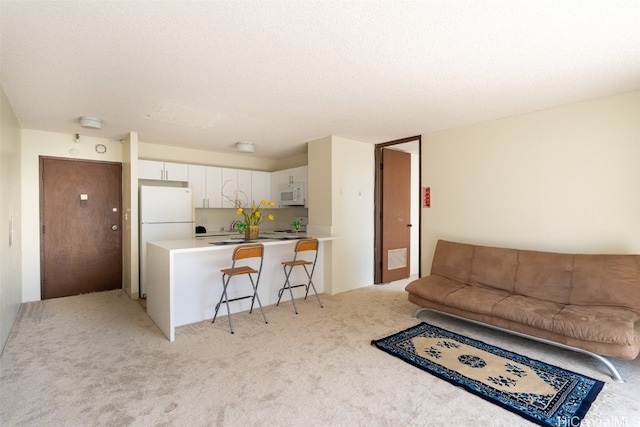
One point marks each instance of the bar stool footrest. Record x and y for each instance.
(235, 299)
(294, 286)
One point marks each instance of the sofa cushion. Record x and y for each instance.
(494, 268)
(475, 299)
(544, 275)
(433, 288)
(597, 323)
(452, 260)
(528, 310)
(612, 280)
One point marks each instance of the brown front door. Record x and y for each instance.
(81, 238)
(396, 215)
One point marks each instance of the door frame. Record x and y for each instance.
(377, 250)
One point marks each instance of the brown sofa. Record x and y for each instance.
(587, 303)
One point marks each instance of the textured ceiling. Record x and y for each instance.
(281, 73)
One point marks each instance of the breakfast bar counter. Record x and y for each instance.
(185, 283)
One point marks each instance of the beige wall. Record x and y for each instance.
(341, 202)
(319, 175)
(565, 179)
(130, 241)
(353, 181)
(40, 143)
(211, 158)
(35, 144)
(10, 219)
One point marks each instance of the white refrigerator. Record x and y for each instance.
(166, 213)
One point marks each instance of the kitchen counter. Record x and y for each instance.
(216, 234)
(266, 232)
(185, 282)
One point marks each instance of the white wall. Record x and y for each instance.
(565, 179)
(10, 221)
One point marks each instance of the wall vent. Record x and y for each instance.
(397, 258)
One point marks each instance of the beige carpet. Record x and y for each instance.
(98, 360)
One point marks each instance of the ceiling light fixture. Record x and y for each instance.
(90, 122)
(245, 147)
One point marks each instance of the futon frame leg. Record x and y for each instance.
(612, 369)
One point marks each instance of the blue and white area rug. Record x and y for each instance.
(544, 394)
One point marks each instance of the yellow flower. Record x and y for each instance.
(254, 216)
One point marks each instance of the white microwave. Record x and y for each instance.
(292, 194)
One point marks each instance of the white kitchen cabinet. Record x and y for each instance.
(244, 187)
(148, 169)
(229, 188)
(287, 176)
(163, 171)
(299, 174)
(260, 187)
(206, 182)
(176, 172)
(236, 188)
(214, 187)
(197, 182)
(278, 178)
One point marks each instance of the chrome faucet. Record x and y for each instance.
(233, 225)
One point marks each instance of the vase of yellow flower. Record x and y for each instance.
(252, 219)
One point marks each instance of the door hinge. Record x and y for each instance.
(43, 229)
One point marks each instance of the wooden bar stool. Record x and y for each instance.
(252, 250)
(302, 245)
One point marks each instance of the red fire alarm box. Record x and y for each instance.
(426, 197)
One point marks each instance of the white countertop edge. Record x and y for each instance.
(203, 243)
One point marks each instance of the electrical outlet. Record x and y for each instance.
(204, 220)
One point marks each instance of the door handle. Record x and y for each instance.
(114, 227)
(409, 225)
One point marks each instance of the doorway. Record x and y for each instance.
(80, 227)
(397, 233)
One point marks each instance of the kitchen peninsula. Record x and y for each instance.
(185, 282)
